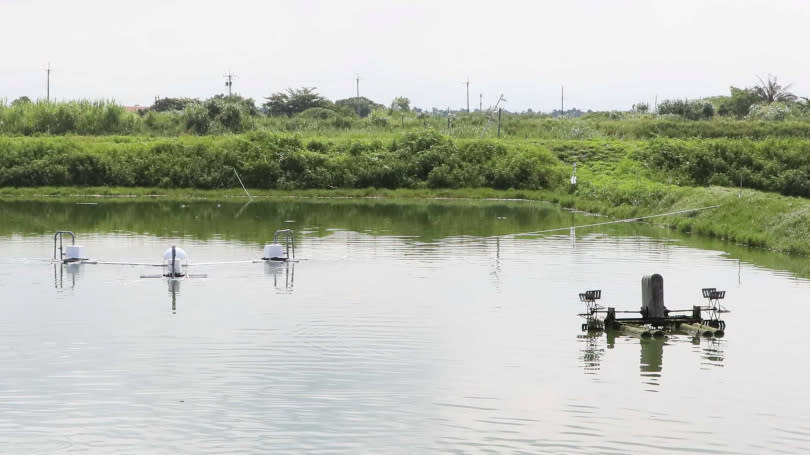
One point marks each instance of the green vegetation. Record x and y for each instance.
(617, 178)
(766, 110)
(265, 160)
(749, 151)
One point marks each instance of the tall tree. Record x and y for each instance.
(361, 106)
(172, 104)
(401, 103)
(294, 101)
(738, 103)
(770, 91)
(21, 100)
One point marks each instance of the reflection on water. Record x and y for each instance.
(592, 351)
(66, 273)
(593, 346)
(496, 271)
(652, 359)
(712, 351)
(412, 328)
(283, 273)
(174, 289)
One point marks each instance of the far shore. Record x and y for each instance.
(745, 217)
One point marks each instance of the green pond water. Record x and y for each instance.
(403, 327)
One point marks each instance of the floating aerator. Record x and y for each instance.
(174, 258)
(277, 251)
(69, 253)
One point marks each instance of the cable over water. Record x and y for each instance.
(626, 220)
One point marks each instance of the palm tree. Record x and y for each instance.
(770, 91)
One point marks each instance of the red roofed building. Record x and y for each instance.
(136, 108)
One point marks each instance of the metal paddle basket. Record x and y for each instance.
(589, 298)
(714, 308)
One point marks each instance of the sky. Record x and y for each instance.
(608, 54)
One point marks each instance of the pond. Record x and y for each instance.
(404, 327)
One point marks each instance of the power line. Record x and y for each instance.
(626, 220)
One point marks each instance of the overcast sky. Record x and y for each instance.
(609, 54)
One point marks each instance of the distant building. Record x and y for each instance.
(136, 108)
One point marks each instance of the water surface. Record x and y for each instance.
(406, 327)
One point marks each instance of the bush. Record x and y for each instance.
(266, 160)
(690, 110)
(778, 165)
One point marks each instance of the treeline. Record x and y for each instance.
(273, 161)
(765, 110)
(767, 100)
(220, 115)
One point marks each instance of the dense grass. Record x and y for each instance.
(264, 160)
(648, 127)
(777, 165)
(72, 117)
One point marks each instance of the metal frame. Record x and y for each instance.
(58, 236)
(289, 240)
(714, 308)
(591, 309)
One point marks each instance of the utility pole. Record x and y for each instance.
(357, 80)
(229, 82)
(481, 102)
(468, 95)
(48, 83)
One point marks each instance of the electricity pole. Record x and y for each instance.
(357, 80)
(229, 82)
(48, 83)
(468, 95)
(481, 102)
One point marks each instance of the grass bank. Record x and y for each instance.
(746, 217)
(618, 178)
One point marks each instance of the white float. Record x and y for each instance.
(174, 258)
(274, 252)
(74, 253)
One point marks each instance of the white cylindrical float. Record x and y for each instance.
(274, 252)
(74, 253)
(175, 267)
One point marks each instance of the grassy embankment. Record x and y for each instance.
(620, 178)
